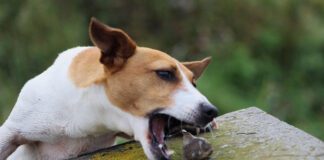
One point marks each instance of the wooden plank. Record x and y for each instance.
(245, 134)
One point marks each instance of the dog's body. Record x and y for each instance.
(86, 98)
(58, 111)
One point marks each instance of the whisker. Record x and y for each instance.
(211, 131)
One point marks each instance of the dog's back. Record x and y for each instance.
(50, 88)
(57, 121)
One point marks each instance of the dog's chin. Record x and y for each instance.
(163, 126)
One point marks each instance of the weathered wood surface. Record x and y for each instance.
(245, 134)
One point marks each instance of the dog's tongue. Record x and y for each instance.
(158, 129)
(158, 125)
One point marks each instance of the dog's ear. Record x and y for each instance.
(115, 45)
(197, 67)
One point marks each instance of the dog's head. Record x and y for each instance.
(150, 84)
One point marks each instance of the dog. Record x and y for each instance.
(90, 95)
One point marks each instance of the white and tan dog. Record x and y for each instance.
(92, 94)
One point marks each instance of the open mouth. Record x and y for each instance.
(162, 126)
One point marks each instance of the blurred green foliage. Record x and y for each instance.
(266, 53)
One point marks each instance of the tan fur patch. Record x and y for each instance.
(136, 88)
(187, 73)
(86, 69)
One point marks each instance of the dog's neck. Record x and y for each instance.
(104, 115)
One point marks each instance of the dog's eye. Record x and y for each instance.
(166, 75)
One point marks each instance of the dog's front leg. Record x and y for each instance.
(8, 142)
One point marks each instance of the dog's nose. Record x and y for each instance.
(208, 112)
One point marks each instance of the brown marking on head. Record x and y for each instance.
(137, 88)
(85, 68)
(188, 74)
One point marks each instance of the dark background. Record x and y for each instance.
(266, 53)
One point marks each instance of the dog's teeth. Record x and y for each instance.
(160, 146)
(197, 130)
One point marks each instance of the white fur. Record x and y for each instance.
(186, 101)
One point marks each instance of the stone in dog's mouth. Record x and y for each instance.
(162, 126)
